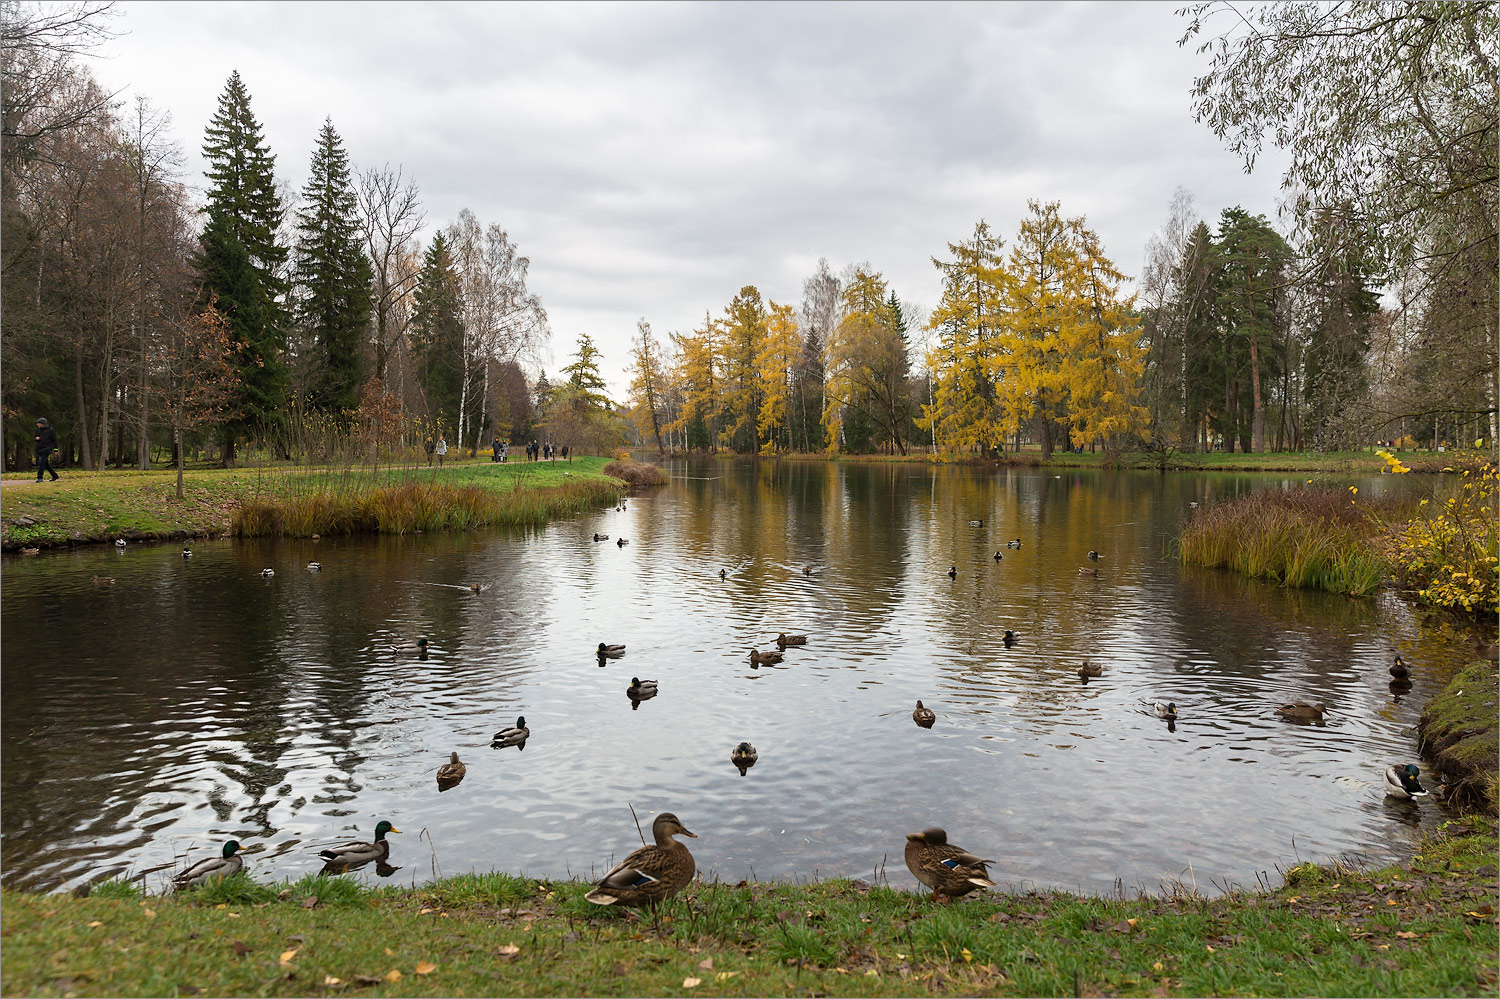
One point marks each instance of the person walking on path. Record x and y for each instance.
(431, 447)
(495, 450)
(442, 450)
(565, 453)
(46, 443)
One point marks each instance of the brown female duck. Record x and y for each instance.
(652, 873)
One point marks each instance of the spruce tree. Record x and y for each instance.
(439, 332)
(240, 260)
(333, 276)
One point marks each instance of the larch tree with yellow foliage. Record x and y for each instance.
(962, 415)
(1041, 303)
(1106, 360)
(779, 351)
(867, 364)
(699, 367)
(647, 384)
(744, 331)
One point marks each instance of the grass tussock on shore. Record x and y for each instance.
(1425, 928)
(1309, 538)
(1460, 730)
(637, 473)
(416, 506)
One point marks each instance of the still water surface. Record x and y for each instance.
(194, 701)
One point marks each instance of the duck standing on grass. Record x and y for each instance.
(652, 873)
(946, 869)
(214, 867)
(345, 858)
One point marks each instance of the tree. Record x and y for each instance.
(580, 411)
(391, 215)
(241, 259)
(646, 383)
(437, 326)
(743, 333)
(867, 364)
(775, 361)
(1104, 355)
(198, 375)
(333, 276)
(698, 371)
(1252, 299)
(969, 354)
(819, 311)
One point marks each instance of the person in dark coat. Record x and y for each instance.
(46, 443)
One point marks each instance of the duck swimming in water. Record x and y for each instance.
(1401, 781)
(515, 735)
(1399, 669)
(339, 859)
(924, 717)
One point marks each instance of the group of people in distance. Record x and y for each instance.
(500, 450)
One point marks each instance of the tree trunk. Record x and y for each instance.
(1258, 417)
(85, 449)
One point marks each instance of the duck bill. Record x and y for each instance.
(686, 833)
(393, 830)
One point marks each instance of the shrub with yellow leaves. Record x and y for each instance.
(1452, 557)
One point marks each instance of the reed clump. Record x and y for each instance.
(1321, 539)
(415, 506)
(636, 473)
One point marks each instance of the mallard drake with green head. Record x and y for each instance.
(610, 651)
(267, 573)
(513, 736)
(1401, 781)
(1301, 713)
(1013, 544)
(924, 717)
(1399, 669)
(1009, 638)
(640, 689)
(450, 773)
(783, 640)
(338, 859)
(214, 867)
(187, 553)
(1094, 556)
(944, 868)
(998, 556)
(744, 757)
(953, 572)
(1090, 669)
(1165, 709)
(601, 537)
(652, 873)
(315, 567)
(765, 658)
(622, 542)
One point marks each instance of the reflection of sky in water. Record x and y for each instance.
(195, 701)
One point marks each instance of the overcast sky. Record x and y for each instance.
(652, 159)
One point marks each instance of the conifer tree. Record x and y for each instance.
(240, 260)
(968, 356)
(333, 276)
(438, 333)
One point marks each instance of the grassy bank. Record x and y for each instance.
(1423, 928)
(1460, 731)
(89, 507)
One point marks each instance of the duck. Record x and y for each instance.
(976, 523)
(1088, 571)
(652, 873)
(1300, 712)
(1093, 555)
(611, 651)
(640, 689)
(764, 658)
(953, 572)
(1399, 669)
(1090, 669)
(723, 574)
(267, 573)
(1401, 781)
(783, 640)
(600, 537)
(516, 736)
(623, 542)
(221, 866)
(924, 717)
(946, 869)
(807, 570)
(744, 757)
(1009, 638)
(338, 859)
(421, 645)
(1013, 544)
(31, 551)
(315, 567)
(104, 580)
(450, 773)
(187, 553)
(477, 587)
(998, 556)
(120, 542)
(1166, 710)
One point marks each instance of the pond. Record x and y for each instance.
(194, 701)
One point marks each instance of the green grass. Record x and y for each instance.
(97, 506)
(1426, 927)
(1460, 730)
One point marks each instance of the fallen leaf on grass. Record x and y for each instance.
(1406, 935)
(394, 975)
(149, 913)
(389, 952)
(968, 955)
(707, 964)
(310, 902)
(287, 955)
(691, 983)
(239, 948)
(725, 976)
(425, 967)
(96, 923)
(1157, 966)
(508, 950)
(330, 980)
(1124, 926)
